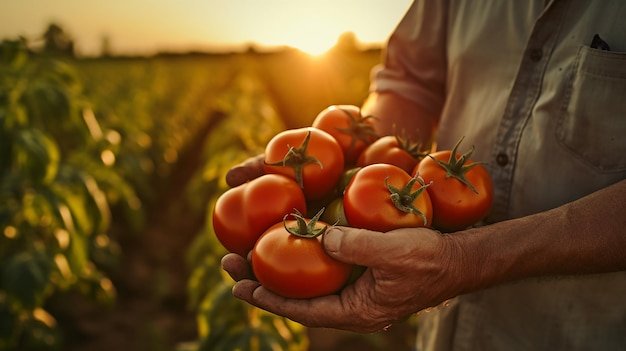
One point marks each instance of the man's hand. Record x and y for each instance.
(249, 169)
(408, 270)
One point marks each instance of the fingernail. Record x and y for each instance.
(332, 239)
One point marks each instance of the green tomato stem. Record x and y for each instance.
(456, 167)
(302, 228)
(404, 198)
(297, 158)
(358, 129)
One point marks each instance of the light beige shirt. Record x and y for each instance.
(547, 113)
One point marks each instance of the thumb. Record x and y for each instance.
(355, 246)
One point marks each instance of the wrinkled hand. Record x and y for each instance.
(408, 271)
(249, 169)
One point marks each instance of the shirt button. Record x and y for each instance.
(502, 159)
(535, 54)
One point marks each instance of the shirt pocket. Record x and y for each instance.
(592, 122)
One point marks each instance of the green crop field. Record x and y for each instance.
(108, 171)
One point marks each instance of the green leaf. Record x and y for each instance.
(78, 249)
(25, 276)
(77, 254)
(61, 211)
(79, 203)
(110, 187)
(85, 198)
(36, 155)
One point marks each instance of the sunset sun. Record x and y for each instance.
(313, 47)
(312, 37)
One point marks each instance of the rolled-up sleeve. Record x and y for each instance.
(414, 62)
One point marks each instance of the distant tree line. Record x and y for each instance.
(57, 41)
(54, 41)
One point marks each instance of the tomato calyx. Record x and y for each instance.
(358, 130)
(297, 158)
(302, 228)
(404, 198)
(456, 167)
(413, 149)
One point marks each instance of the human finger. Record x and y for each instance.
(247, 170)
(237, 267)
(370, 248)
(351, 310)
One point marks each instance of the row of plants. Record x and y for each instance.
(55, 196)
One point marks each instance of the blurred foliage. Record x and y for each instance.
(54, 211)
(225, 323)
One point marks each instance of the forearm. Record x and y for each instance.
(395, 115)
(582, 237)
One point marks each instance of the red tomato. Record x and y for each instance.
(310, 156)
(461, 190)
(352, 131)
(384, 197)
(392, 150)
(243, 213)
(297, 267)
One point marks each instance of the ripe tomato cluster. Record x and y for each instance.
(339, 171)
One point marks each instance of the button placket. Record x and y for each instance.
(522, 98)
(502, 159)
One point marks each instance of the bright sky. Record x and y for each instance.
(144, 26)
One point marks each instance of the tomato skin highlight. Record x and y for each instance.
(387, 150)
(335, 121)
(317, 180)
(242, 214)
(368, 205)
(296, 267)
(455, 205)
